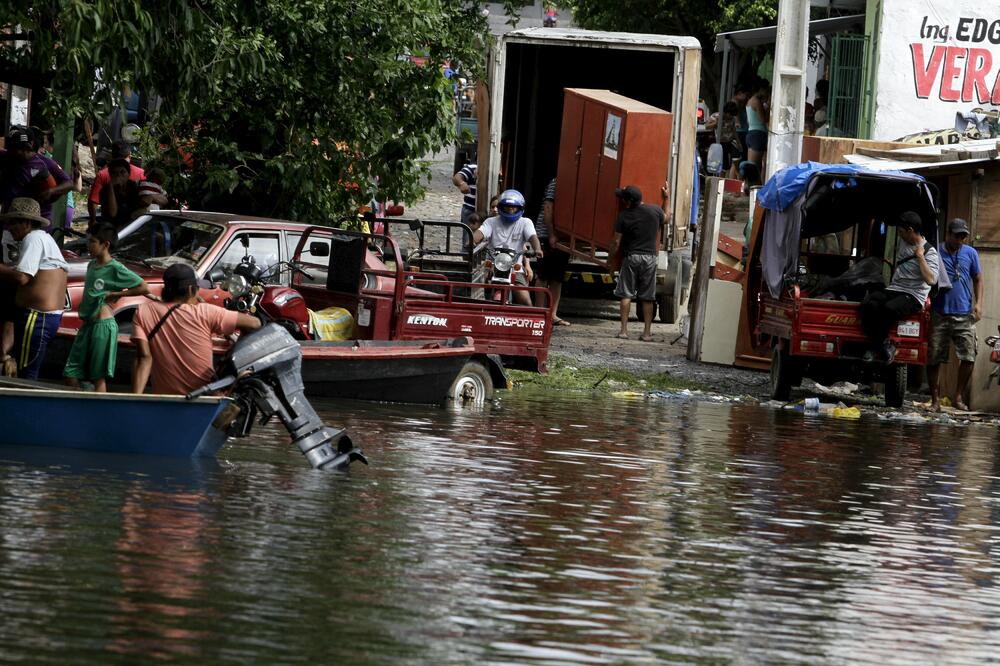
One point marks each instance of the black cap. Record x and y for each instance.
(629, 193)
(179, 277)
(19, 138)
(120, 149)
(958, 226)
(911, 220)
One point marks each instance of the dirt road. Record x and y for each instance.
(589, 340)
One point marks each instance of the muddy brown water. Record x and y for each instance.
(549, 529)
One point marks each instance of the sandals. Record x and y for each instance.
(560, 322)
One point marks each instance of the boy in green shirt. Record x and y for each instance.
(95, 348)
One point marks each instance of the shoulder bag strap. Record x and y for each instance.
(159, 324)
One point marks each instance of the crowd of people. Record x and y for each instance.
(741, 128)
(33, 276)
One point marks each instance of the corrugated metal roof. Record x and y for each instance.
(903, 164)
(767, 35)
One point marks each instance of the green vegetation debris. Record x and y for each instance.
(563, 375)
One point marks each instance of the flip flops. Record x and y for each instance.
(560, 322)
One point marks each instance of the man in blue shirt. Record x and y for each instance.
(955, 313)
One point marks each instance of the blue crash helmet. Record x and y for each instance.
(511, 198)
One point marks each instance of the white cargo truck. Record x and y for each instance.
(528, 70)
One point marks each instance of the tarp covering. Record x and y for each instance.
(787, 185)
(788, 193)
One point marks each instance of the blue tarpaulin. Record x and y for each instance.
(787, 185)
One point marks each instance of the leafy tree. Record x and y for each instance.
(702, 19)
(277, 107)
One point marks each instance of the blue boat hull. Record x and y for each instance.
(113, 422)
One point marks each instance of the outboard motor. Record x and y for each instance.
(266, 367)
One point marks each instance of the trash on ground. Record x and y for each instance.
(846, 413)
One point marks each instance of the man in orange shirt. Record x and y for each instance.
(120, 150)
(173, 337)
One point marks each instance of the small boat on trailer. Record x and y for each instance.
(263, 375)
(410, 371)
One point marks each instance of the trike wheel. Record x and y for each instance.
(782, 373)
(667, 307)
(895, 385)
(473, 385)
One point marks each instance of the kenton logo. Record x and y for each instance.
(844, 320)
(426, 320)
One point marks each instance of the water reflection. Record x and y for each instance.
(550, 529)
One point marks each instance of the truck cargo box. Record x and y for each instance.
(529, 70)
(607, 141)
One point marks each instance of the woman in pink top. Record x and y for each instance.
(173, 337)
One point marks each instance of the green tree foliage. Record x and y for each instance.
(278, 107)
(698, 18)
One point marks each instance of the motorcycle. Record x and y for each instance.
(250, 292)
(993, 342)
(501, 271)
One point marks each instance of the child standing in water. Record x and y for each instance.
(95, 348)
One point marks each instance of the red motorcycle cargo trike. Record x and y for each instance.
(823, 236)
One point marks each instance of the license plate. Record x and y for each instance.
(909, 329)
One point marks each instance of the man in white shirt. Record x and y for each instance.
(40, 279)
(510, 229)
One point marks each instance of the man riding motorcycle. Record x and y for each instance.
(510, 229)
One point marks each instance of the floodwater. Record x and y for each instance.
(548, 529)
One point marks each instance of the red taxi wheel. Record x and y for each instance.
(895, 385)
(782, 373)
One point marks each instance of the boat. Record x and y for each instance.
(411, 371)
(261, 372)
(42, 414)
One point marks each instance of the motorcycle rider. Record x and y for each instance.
(510, 229)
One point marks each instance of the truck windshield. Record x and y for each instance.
(163, 240)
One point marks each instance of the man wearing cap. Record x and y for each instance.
(39, 276)
(119, 151)
(173, 337)
(25, 173)
(916, 272)
(635, 232)
(955, 313)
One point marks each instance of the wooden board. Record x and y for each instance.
(986, 220)
(832, 150)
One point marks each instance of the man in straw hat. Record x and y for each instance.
(39, 277)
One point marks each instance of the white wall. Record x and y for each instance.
(936, 57)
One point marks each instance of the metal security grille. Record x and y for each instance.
(848, 88)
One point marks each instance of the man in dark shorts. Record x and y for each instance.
(635, 232)
(551, 269)
(955, 313)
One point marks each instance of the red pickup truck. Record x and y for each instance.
(386, 301)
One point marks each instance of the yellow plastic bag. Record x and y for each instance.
(846, 413)
(331, 324)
